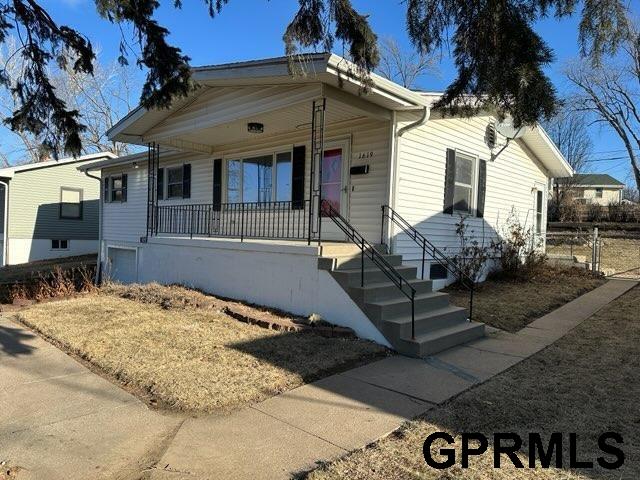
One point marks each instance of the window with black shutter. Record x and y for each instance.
(105, 190)
(297, 180)
(482, 188)
(124, 186)
(462, 183)
(186, 180)
(160, 184)
(217, 183)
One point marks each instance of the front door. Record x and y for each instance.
(335, 188)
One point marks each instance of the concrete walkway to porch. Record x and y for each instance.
(61, 421)
(326, 419)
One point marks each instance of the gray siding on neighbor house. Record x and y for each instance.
(34, 205)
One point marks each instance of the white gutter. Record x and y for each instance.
(5, 233)
(100, 189)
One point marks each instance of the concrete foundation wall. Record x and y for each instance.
(24, 250)
(274, 275)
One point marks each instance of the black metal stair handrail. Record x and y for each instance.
(429, 248)
(367, 250)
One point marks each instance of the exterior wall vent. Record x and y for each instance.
(491, 136)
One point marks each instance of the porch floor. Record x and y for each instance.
(230, 242)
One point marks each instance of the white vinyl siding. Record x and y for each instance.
(511, 179)
(127, 221)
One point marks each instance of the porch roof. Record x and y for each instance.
(265, 91)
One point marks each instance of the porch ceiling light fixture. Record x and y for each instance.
(255, 127)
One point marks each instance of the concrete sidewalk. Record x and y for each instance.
(61, 421)
(324, 420)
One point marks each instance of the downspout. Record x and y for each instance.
(5, 233)
(98, 277)
(394, 179)
(426, 113)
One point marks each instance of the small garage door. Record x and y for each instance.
(121, 265)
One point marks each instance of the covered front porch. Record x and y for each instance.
(282, 157)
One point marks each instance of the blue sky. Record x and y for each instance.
(248, 29)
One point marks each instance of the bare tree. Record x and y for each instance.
(101, 99)
(569, 132)
(609, 93)
(403, 66)
(631, 194)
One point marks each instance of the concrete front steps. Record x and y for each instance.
(438, 324)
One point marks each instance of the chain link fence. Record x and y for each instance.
(612, 253)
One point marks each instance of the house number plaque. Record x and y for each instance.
(364, 155)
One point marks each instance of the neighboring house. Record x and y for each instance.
(227, 198)
(599, 188)
(48, 210)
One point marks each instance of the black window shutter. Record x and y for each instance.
(186, 180)
(217, 183)
(297, 178)
(449, 181)
(106, 190)
(482, 188)
(124, 187)
(160, 184)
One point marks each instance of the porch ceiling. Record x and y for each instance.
(219, 116)
(262, 91)
(282, 121)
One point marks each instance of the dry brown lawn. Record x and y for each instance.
(587, 383)
(190, 359)
(511, 305)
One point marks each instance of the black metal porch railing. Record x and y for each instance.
(429, 251)
(267, 220)
(368, 251)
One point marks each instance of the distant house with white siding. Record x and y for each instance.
(48, 210)
(598, 188)
(303, 193)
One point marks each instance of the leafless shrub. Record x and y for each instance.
(595, 213)
(57, 283)
(518, 251)
(471, 256)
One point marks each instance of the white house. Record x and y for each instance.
(267, 187)
(598, 188)
(48, 210)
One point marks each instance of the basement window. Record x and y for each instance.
(59, 244)
(437, 272)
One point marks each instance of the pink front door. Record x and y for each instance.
(332, 179)
(334, 190)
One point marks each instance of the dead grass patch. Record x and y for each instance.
(588, 383)
(512, 304)
(190, 359)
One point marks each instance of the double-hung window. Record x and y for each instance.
(463, 194)
(465, 184)
(174, 182)
(260, 179)
(71, 203)
(115, 188)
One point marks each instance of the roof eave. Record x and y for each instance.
(328, 68)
